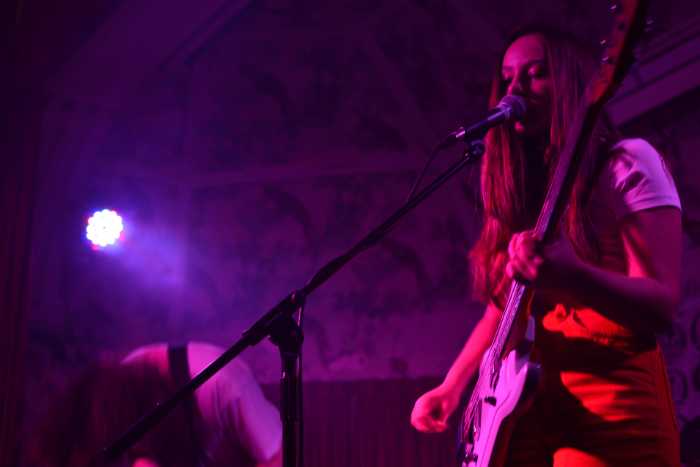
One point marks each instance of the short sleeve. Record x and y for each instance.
(234, 409)
(636, 178)
(257, 422)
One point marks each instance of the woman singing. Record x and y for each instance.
(603, 288)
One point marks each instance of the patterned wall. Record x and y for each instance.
(276, 147)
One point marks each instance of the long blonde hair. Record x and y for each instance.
(514, 179)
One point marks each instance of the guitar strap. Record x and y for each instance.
(180, 372)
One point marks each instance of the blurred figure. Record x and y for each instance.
(229, 421)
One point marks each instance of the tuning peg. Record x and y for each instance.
(622, 25)
(647, 28)
(604, 43)
(616, 9)
(609, 60)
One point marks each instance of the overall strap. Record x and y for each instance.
(180, 372)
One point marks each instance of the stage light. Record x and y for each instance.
(104, 227)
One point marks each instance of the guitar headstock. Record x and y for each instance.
(630, 23)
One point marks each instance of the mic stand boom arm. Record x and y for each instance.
(276, 318)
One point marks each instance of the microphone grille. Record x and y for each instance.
(515, 107)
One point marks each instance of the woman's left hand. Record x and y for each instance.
(541, 267)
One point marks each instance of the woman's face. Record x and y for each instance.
(525, 72)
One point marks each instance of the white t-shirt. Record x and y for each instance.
(234, 412)
(633, 179)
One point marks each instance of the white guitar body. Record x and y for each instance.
(512, 390)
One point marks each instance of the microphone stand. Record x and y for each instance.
(284, 332)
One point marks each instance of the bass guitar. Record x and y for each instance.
(508, 381)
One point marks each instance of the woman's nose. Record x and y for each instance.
(516, 87)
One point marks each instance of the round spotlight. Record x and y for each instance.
(104, 227)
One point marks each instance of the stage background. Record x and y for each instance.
(246, 144)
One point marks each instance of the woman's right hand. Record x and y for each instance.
(431, 410)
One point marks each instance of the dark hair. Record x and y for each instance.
(513, 182)
(96, 409)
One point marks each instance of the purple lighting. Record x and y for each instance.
(104, 227)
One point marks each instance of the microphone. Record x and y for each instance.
(511, 108)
